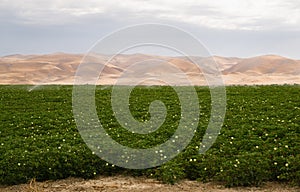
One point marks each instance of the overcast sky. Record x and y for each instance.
(241, 28)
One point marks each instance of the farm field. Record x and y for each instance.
(259, 141)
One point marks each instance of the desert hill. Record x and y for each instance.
(267, 64)
(60, 68)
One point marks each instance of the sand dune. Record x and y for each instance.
(60, 68)
(268, 64)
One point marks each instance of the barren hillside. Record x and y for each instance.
(60, 68)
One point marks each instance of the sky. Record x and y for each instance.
(231, 28)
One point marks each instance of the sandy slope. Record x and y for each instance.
(268, 64)
(60, 68)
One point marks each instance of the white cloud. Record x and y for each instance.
(229, 14)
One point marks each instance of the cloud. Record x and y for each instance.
(229, 14)
(229, 28)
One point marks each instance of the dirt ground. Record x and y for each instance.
(126, 184)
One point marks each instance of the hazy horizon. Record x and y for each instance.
(79, 53)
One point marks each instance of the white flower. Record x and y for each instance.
(286, 164)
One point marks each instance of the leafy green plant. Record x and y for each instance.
(259, 140)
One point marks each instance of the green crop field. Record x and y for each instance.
(259, 140)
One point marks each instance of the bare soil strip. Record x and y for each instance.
(132, 184)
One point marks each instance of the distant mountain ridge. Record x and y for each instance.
(60, 68)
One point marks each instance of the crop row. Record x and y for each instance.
(259, 140)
